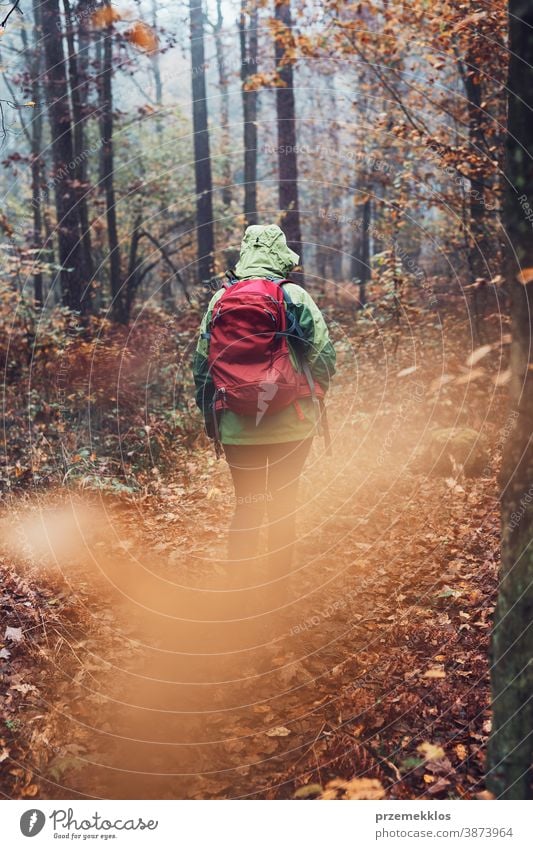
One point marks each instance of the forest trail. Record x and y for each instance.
(383, 645)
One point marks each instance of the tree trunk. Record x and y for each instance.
(287, 155)
(511, 745)
(477, 234)
(98, 71)
(202, 159)
(108, 178)
(37, 243)
(158, 81)
(248, 39)
(36, 150)
(167, 295)
(224, 107)
(477, 256)
(77, 64)
(74, 293)
(361, 256)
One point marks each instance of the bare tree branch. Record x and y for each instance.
(164, 253)
(14, 7)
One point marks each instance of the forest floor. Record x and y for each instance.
(377, 681)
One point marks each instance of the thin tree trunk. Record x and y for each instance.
(287, 155)
(335, 249)
(167, 295)
(248, 40)
(478, 231)
(202, 158)
(134, 263)
(77, 63)
(224, 106)
(477, 235)
(108, 177)
(361, 256)
(35, 52)
(98, 71)
(156, 69)
(510, 750)
(478, 243)
(37, 243)
(75, 294)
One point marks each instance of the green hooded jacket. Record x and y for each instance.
(265, 253)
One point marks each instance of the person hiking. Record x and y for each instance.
(262, 366)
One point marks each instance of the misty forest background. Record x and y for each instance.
(139, 139)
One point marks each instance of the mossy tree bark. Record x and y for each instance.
(511, 744)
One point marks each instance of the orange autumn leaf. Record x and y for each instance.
(143, 37)
(257, 81)
(104, 16)
(525, 276)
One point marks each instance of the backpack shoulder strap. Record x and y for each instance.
(294, 329)
(293, 325)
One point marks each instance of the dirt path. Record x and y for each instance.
(382, 648)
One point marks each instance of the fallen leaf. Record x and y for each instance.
(357, 788)
(442, 766)
(405, 371)
(441, 381)
(30, 790)
(24, 688)
(434, 672)
(502, 378)
(439, 785)
(280, 731)
(13, 634)
(430, 751)
(446, 592)
(308, 790)
(478, 354)
(525, 276)
(461, 751)
(474, 374)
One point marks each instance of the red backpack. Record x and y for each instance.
(249, 359)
